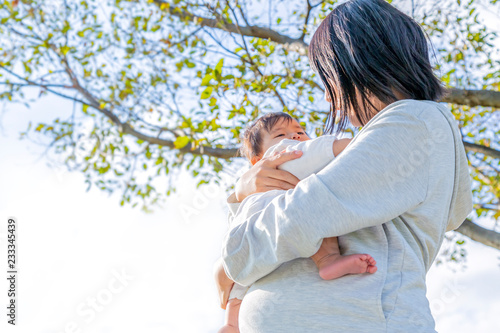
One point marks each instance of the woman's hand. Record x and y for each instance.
(224, 284)
(265, 176)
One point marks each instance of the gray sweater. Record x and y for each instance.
(316, 154)
(400, 184)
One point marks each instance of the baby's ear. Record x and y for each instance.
(254, 159)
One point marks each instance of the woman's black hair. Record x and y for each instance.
(369, 48)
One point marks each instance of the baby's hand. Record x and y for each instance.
(224, 284)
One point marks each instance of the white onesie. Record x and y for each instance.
(317, 153)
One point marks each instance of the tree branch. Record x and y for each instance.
(293, 44)
(482, 149)
(306, 21)
(126, 128)
(472, 98)
(225, 153)
(479, 234)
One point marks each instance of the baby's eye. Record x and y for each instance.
(279, 135)
(301, 133)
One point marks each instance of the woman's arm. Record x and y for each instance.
(382, 174)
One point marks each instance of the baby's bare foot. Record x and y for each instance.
(332, 267)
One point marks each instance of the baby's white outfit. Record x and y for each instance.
(317, 153)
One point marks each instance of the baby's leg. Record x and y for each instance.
(332, 265)
(232, 312)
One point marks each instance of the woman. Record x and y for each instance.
(395, 190)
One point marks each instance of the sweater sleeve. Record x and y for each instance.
(379, 176)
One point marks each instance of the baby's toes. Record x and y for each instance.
(371, 269)
(364, 257)
(369, 259)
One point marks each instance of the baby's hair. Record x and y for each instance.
(252, 137)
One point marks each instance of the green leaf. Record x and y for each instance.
(206, 80)
(65, 49)
(207, 93)
(219, 65)
(181, 142)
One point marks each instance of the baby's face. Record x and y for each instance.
(283, 130)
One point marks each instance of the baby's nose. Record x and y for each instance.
(295, 136)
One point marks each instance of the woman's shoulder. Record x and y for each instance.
(420, 109)
(406, 125)
(429, 114)
(437, 117)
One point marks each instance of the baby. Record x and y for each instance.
(270, 134)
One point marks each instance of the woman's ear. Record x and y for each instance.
(254, 159)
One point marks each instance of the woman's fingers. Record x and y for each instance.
(265, 173)
(270, 188)
(282, 157)
(285, 176)
(276, 184)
